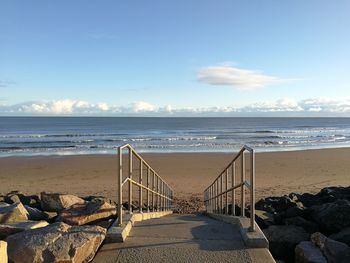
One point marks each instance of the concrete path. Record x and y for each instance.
(182, 238)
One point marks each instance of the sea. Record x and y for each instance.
(102, 135)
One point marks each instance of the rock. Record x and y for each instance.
(308, 226)
(71, 244)
(264, 219)
(80, 214)
(98, 198)
(335, 192)
(10, 229)
(342, 236)
(36, 214)
(12, 213)
(3, 252)
(283, 239)
(334, 251)
(51, 216)
(307, 252)
(275, 204)
(332, 217)
(293, 212)
(18, 197)
(12, 199)
(55, 202)
(104, 223)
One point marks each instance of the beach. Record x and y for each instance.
(277, 173)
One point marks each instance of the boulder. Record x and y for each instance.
(308, 226)
(51, 216)
(307, 252)
(36, 214)
(342, 236)
(12, 213)
(283, 240)
(334, 251)
(3, 252)
(275, 204)
(98, 198)
(335, 192)
(294, 211)
(13, 228)
(89, 212)
(264, 219)
(55, 202)
(332, 217)
(71, 244)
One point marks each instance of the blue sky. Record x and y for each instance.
(174, 57)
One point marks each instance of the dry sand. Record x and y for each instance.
(277, 173)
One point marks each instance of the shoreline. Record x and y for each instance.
(277, 173)
(257, 151)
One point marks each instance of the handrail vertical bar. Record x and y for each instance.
(157, 196)
(226, 195)
(140, 193)
(130, 183)
(120, 192)
(162, 197)
(233, 209)
(148, 173)
(217, 198)
(242, 187)
(221, 197)
(154, 189)
(252, 191)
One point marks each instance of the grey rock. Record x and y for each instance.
(283, 240)
(307, 252)
(13, 228)
(36, 214)
(58, 242)
(55, 202)
(332, 217)
(12, 213)
(308, 226)
(334, 251)
(275, 204)
(264, 219)
(342, 236)
(81, 214)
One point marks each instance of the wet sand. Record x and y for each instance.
(189, 174)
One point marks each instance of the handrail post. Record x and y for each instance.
(252, 191)
(221, 196)
(154, 188)
(140, 193)
(226, 195)
(120, 190)
(217, 197)
(242, 187)
(162, 195)
(233, 209)
(130, 183)
(148, 173)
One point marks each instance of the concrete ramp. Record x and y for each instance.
(182, 238)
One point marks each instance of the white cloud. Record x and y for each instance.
(142, 106)
(282, 107)
(227, 75)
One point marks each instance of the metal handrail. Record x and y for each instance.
(160, 192)
(215, 192)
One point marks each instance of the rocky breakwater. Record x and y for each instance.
(53, 227)
(308, 228)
